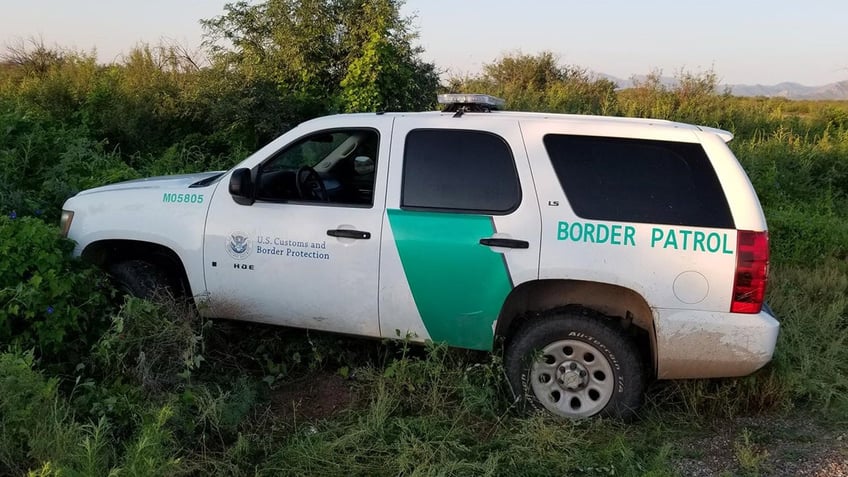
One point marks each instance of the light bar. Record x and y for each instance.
(485, 100)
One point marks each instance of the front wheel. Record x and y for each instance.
(576, 366)
(140, 279)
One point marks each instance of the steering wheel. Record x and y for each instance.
(310, 186)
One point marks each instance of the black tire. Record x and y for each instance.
(141, 279)
(560, 364)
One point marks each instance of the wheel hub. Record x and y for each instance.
(572, 378)
(572, 375)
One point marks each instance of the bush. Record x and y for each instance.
(83, 164)
(28, 145)
(48, 300)
(187, 158)
(803, 236)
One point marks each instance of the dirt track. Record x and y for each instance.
(786, 446)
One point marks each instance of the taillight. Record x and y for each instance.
(749, 286)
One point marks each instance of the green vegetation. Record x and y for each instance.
(50, 303)
(92, 384)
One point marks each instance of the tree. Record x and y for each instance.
(385, 72)
(32, 56)
(522, 72)
(539, 83)
(352, 55)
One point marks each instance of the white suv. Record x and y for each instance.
(602, 251)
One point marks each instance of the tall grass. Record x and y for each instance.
(38, 431)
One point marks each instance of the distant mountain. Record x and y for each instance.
(832, 91)
(794, 90)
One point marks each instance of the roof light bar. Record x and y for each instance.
(468, 103)
(478, 100)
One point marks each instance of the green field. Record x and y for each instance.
(92, 383)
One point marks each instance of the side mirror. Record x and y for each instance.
(241, 187)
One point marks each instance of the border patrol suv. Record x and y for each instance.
(603, 251)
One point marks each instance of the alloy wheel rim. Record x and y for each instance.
(572, 378)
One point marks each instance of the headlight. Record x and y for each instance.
(65, 221)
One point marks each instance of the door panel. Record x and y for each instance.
(436, 274)
(458, 285)
(306, 263)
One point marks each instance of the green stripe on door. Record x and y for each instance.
(458, 285)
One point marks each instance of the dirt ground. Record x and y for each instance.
(313, 398)
(768, 446)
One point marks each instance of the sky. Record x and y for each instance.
(743, 41)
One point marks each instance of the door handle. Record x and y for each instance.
(504, 242)
(345, 233)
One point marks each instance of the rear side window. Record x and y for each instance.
(636, 180)
(459, 171)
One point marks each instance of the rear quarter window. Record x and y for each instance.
(637, 180)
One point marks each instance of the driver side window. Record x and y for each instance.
(335, 166)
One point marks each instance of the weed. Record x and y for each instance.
(157, 343)
(33, 421)
(149, 453)
(216, 413)
(750, 458)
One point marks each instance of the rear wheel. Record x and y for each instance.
(140, 278)
(576, 366)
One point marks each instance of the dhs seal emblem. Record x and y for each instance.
(238, 245)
